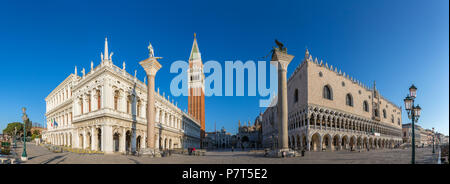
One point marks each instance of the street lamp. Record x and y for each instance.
(413, 114)
(412, 91)
(25, 119)
(432, 130)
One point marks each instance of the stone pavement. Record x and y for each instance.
(41, 155)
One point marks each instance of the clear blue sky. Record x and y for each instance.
(395, 43)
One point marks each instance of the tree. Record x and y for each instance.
(36, 134)
(29, 125)
(9, 130)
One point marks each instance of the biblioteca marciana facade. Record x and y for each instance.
(328, 110)
(105, 110)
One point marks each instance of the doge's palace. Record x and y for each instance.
(329, 110)
(105, 110)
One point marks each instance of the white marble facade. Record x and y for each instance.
(104, 110)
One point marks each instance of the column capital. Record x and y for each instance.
(151, 65)
(283, 58)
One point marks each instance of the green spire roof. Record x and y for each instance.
(195, 52)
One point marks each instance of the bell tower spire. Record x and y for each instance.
(196, 97)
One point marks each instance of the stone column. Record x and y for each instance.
(308, 122)
(65, 140)
(84, 139)
(94, 101)
(144, 137)
(283, 59)
(339, 143)
(70, 139)
(107, 139)
(76, 138)
(320, 122)
(122, 140)
(85, 104)
(163, 117)
(151, 66)
(367, 143)
(94, 139)
(133, 126)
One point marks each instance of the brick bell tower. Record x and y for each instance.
(196, 87)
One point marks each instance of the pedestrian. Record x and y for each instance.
(232, 148)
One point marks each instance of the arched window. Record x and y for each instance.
(392, 118)
(81, 105)
(98, 100)
(398, 121)
(366, 106)
(349, 99)
(384, 113)
(116, 99)
(138, 109)
(128, 105)
(89, 103)
(327, 93)
(296, 95)
(376, 113)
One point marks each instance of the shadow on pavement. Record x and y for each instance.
(31, 158)
(54, 158)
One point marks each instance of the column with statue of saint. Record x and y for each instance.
(151, 66)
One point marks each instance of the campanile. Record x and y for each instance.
(196, 87)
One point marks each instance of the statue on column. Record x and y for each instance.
(151, 52)
(280, 47)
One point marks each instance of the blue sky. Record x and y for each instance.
(396, 43)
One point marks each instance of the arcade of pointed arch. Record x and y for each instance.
(318, 128)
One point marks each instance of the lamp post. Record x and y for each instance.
(413, 114)
(432, 130)
(25, 120)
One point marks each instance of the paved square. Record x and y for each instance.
(41, 155)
